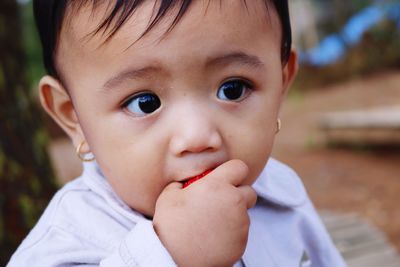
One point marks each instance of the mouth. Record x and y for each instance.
(193, 179)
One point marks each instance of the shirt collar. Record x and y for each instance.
(280, 185)
(96, 181)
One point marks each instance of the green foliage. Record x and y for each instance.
(41, 139)
(28, 209)
(26, 177)
(32, 47)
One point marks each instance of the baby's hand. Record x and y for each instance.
(206, 224)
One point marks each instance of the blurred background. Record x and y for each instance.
(341, 121)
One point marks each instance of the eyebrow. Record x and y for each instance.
(235, 58)
(130, 74)
(217, 61)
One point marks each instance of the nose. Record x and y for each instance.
(195, 131)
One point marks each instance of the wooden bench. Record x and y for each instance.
(375, 126)
(360, 243)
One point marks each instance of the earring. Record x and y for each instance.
(278, 125)
(81, 155)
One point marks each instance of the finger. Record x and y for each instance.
(249, 194)
(233, 172)
(173, 186)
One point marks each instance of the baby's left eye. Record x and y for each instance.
(234, 90)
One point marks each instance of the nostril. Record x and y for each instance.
(195, 138)
(199, 150)
(183, 145)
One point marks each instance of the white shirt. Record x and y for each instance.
(87, 224)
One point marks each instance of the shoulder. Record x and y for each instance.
(281, 185)
(84, 219)
(285, 213)
(78, 216)
(52, 233)
(62, 204)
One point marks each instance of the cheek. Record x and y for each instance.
(131, 159)
(260, 157)
(253, 141)
(139, 188)
(136, 177)
(256, 151)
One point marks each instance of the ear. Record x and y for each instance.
(58, 104)
(289, 71)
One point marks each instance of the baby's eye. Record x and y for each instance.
(143, 104)
(234, 90)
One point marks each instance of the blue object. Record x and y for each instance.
(334, 46)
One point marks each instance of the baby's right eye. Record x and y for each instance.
(142, 104)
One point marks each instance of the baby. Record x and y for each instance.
(173, 106)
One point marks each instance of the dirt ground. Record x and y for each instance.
(348, 180)
(365, 181)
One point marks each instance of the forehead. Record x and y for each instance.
(90, 20)
(221, 20)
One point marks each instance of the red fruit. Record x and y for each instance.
(195, 178)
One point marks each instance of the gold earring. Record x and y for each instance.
(81, 155)
(278, 125)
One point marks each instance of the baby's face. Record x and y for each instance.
(162, 110)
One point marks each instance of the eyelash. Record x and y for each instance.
(247, 85)
(137, 96)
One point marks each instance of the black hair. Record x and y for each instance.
(49, 16)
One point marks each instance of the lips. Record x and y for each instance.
(193, 179)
